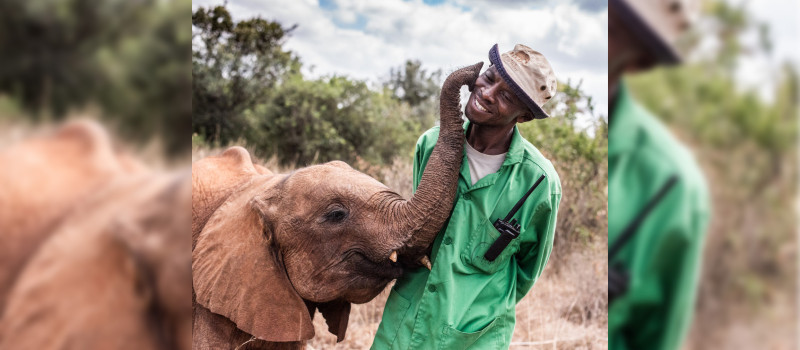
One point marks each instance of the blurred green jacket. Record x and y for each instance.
(663, 257)
(467, 301)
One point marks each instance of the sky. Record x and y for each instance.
(364, 39)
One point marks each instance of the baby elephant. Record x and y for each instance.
(268, 250)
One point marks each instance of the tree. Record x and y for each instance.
(130, 58)
(246, 87)
(234, 68)
(412, 84)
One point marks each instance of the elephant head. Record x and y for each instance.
(269, 249)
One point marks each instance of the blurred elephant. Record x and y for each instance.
(271, 249)
(42, 178)
(106, 264)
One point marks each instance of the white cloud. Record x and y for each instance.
(444, 36)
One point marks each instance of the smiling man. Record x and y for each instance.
(468, 297)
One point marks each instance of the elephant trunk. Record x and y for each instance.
(419, 219)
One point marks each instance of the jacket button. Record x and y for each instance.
(467, 196)
(448, 241)
(432, 288)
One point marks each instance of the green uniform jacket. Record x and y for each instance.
(467, 301)
(663, 258)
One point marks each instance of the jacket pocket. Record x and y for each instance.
(452, 338)
(481, 238)
(394, 314)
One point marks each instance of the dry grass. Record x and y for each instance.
(554, 314)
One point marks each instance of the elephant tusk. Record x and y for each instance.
(425, 261)
(393, 257)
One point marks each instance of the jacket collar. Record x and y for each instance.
(513, 156)
(515, 149)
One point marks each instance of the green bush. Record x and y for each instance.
(307, 121)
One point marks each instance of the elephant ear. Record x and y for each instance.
(337, 314)
(214, 178)
(237, 272)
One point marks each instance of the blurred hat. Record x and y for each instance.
(659, 23)
(528, 74)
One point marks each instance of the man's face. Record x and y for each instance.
(493, 103)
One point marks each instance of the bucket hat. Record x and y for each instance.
(528, 74)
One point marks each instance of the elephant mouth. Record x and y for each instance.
(385, 270)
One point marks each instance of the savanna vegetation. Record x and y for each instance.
(129, 63)
(249, 90)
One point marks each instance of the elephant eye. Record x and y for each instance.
(336, 215)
